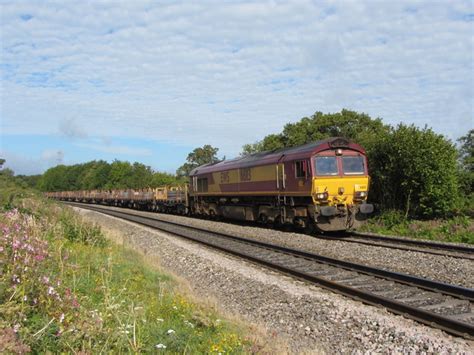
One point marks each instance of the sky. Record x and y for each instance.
(149, 81)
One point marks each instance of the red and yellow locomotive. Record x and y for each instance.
(322, 184)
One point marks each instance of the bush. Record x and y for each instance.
(414, 171)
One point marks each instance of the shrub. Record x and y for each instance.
(414, 171)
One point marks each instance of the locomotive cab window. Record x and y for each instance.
(301, 168)
(353, 165)
(202, 185)
(326, 166)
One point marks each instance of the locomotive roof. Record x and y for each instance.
(278, 155)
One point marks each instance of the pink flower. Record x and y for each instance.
(16, 244)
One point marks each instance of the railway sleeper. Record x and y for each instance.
(398, 292)
(356, 280)
(424, 299)
(449, 307)
(374, 287)
(464, 317)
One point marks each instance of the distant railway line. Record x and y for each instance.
(436, 304)
(422, 246)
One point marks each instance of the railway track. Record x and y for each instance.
(437, 304)
(422, 246)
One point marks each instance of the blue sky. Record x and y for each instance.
(149, 81)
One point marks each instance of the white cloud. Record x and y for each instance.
(70, 128)
(116, 149)
(53, 156)
(30, 165)
(230, 73)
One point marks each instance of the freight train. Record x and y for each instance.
(321, 185)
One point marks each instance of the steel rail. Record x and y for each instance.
(463, 252)
(433, 319)
(422, 243)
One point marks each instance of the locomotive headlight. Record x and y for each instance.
(322, 196)
(361, 194)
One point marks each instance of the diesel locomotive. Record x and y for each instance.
(321, 185)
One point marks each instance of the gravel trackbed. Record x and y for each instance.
(307, 318)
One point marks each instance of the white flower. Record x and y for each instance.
(160, 319)
(160, 346)
(170, 331)
(61, 318)
(188, 323)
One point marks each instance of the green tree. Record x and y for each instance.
(28, 180)
(467, 150)
(142, 175)
(414, 170)
(199, 156)
(120, 175)
(54, 179)
(359, 127)
(6, 171)
(94, 175)
(163, 179)
(466, 172)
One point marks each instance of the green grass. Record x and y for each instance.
(456, 229)
(65, 288)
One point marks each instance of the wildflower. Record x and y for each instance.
(189, 324)
(170, 331)
(160, 319)
(16, 328)
(1, 249)
(61, 318)
(51, 290)
(160, 346)
(25, 298)
(16, 245)
(45, 279)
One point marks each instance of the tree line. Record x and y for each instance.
(103, 175)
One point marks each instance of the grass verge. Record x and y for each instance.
(458, 229)
(65, 288)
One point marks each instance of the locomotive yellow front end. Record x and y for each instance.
(340, 189)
